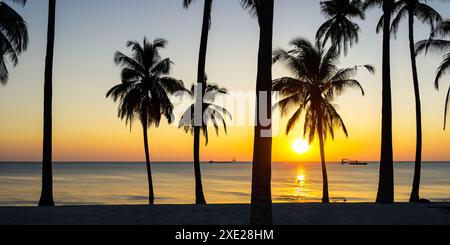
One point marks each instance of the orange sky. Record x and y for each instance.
(85, 123)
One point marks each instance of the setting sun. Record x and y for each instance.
(300, 146)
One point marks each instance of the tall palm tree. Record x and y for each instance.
(339, 29)
(200, 199)
(316, 85)
(13, 37)
(425, 14)
(47, 174)
(386, 178)
(145, 89)
(261, 211)
(439, 44)
(211, 113)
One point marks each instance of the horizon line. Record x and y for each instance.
(218, 162)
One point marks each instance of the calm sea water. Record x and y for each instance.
(125, 183)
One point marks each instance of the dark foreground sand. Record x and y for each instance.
(284, 214)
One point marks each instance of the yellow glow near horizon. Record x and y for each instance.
(300, 146)
(88, 129)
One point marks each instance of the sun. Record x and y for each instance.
(300, 146)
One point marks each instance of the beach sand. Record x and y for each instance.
(284, 214)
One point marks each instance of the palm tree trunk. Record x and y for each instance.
(418, 165)
(386, 178)
(325, 195)
(261, 210)
(151, 194)
(199, 196)
(47, 175)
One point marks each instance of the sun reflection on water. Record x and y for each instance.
(301, 179)
(301, 189)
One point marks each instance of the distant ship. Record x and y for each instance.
(223, 162)
(357, 163)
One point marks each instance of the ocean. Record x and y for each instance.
(126, 183)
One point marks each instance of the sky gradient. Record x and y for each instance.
(89, 32)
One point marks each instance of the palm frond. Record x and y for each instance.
(253, 6)
(402, 13)
(144, 91)
(124, 61)
(318, 82)
(294, 120)
(369, 4)
(294, 101)
(119, 91)
(292, 63)
(287, 86)
(138, 52)
(222, 111)
(187, 120)
(427, 15)
(163, 67)
(210, 112)
(347, 73)
(310, 127)
(442, 70)
(172, 85)
(380, 25)
(443, 29)
(335, 119)
(339, 29)
(434, 45)
(13, 37)
(13, 27)
(4, 73)
(187, 3)
(130, 75)
(340, 85)
(447, 103)
(423, 12)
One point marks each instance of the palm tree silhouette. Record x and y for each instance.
(144, 91)
(47, 174)
(261, 210)
(200, 199)
(386, 178)
(211, 113)
(13, 37)
(339, 29)
(316, 85)
(425, 14)
(439, 45)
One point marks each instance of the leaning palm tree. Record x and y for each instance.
(339, 29)
(386, 178)
(261, 211)
(144, 91)
(200, 199)
(211, 113)
(316, 85)
(426, 14)
(47, 174)
(440, 45)
(13, 37)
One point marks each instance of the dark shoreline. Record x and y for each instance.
(284, 214)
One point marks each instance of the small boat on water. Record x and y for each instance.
(222, 162)
(354, 163)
